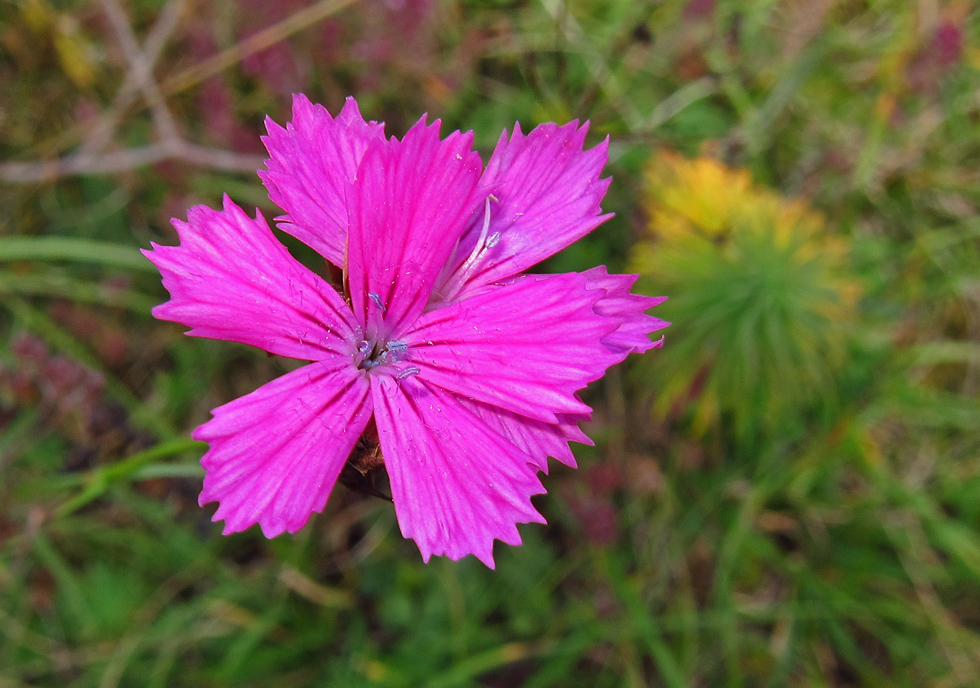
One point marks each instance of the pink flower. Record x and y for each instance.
(440, 351)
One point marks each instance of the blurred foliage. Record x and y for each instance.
(785, 495)
(762, 299)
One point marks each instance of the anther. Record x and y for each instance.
(376, 297)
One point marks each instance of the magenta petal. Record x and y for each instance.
(409, 204)
(313, 160)
(231, 279)
(632, 335)
(546, 193)
(538, 439)
(526, 346)
(457, 485)
(275, 453)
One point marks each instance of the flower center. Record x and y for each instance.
(374, 355)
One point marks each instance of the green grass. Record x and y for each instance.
(837, 545)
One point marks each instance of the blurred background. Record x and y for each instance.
(787, 494)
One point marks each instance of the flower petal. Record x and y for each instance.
(231, 279)
(545, 195)
(457, 485)
(538, 439)
(629, 309)
(526, 346)
(275, 453)
(409, 204)
(313, 160)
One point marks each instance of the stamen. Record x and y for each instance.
(481, 242)
(408, 372)
(376, 297)
(472, 262)
(392, 352)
